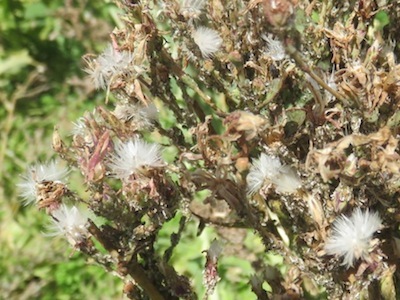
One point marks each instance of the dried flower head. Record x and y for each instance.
(71, 223)
(275, 48)
(38, 173)
(269, 168)
(108, 64)
(208, 40)
(142, 116)
(351, 237)
(130, 156)
(192, 8)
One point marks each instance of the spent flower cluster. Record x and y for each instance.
(211, 117)
(67, 221)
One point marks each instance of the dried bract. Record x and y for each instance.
(245, 123)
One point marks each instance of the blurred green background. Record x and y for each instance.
(42, 85)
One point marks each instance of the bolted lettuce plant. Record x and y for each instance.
(244, 96)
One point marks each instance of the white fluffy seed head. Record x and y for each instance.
(38, 173)
(275, 48)
(351, 236)
(79, 127)
(269, 168)
(131, 155)
(69, 222)
(287, 181)
(192, 8)
(208, 41)
(108, 64)
(113, 59)
(265, 167)
(142, 116)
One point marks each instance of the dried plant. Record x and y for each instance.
(285, 112)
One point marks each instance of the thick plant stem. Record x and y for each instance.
(139, 275)
(132, 268)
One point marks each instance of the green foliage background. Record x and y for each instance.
(42, 85)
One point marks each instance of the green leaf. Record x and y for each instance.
(394, 120)
(297, 115)
(15, 62)
(381, 20)
(315, 16)
(387, 284)
(35, 11)
(300, 21)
